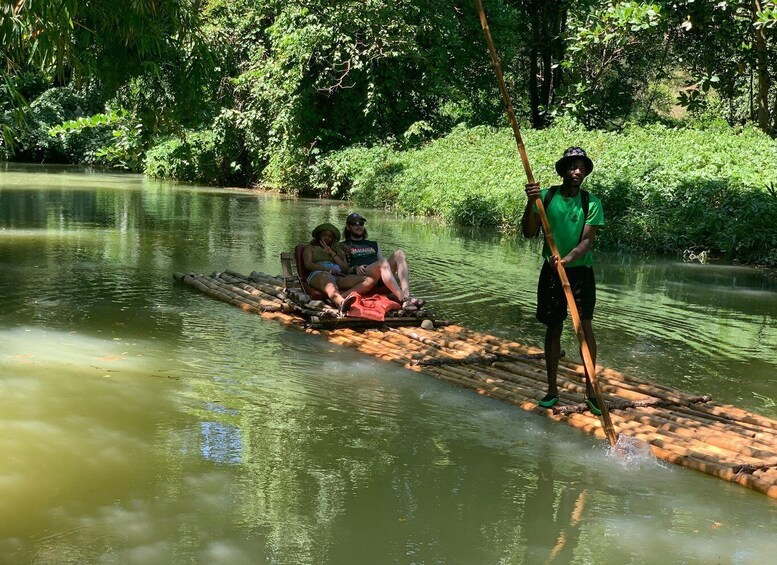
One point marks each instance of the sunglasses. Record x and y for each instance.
(356, 223)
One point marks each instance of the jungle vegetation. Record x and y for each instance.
(394, 103)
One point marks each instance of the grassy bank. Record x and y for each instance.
(663, 190)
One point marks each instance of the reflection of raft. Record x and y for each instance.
(723, 441)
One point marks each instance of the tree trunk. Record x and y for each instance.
(534, 97)
(763, 71)
(548, 21)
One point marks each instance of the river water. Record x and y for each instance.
(142, 422)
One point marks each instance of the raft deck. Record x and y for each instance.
(692, 431)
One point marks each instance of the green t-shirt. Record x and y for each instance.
(565, 216)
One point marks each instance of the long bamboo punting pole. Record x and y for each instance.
(576, 322)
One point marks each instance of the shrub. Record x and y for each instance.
(664, 190)
(53, 107)
(204, 156)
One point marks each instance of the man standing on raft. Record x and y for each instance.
(574, 216)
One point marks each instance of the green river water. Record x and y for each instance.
(142, 422)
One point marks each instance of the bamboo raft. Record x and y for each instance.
(693, 431)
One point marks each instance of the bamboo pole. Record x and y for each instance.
(257, 296)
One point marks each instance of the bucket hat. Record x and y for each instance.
(327, 227)
(569, 155)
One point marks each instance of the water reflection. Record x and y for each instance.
(144, 423)
(221, 443)
(552, 517)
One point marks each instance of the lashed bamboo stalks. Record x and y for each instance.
(760, 468)
(250, 288)
(264, 285)
(728, 446)
(500, 345)
(612, 382)
(219, 292)
(727, 449)
(621, 405)
(521, 390)
(458, 352)
(499, 388)
(245, 291)
(746, 434)
(475, 359)
(461, 352)
(723, 441)
(705, 457)
(745, 429)
(306, 307)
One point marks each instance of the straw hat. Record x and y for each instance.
(326, 227)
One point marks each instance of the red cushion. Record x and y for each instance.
(372, 307)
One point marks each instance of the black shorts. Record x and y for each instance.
(551, 302)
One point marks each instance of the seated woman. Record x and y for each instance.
(365, 258)
(328, 268)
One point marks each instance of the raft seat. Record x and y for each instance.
(295, 275)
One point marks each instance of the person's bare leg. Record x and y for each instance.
(355, 283)
(398, 264)
(381, 270)
(326, 284)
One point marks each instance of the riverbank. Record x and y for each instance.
(664, 190)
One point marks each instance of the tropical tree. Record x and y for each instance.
(728, 46)
(322, 74)
(112, 42)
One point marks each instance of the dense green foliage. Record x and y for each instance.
(354, 97)
(146, 58)
(664, 190)
(285, 82)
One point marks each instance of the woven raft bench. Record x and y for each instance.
(693, 431)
